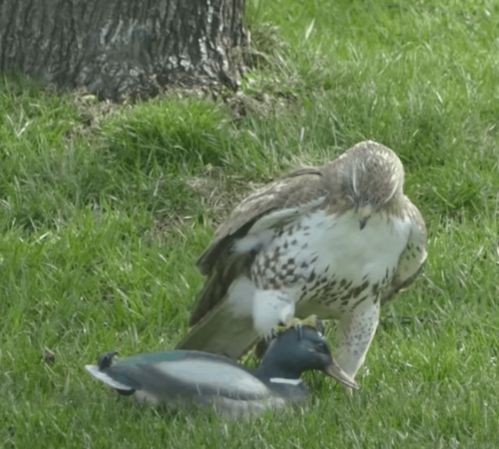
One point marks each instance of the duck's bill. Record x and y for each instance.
(337, 373)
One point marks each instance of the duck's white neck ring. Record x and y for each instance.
(283, 380)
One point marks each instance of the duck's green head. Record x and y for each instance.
(298, 350)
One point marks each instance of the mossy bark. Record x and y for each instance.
(118, 48)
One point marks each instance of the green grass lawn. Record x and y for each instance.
(104, 210)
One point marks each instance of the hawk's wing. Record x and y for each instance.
(271, 206)
(412, 258)
(230, 255)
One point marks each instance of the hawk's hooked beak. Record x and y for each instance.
(334, 370)
(365, 213)
(363, 222)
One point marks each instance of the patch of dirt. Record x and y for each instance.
(220, 193)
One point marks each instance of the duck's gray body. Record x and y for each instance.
(191, 378)
(186, 378)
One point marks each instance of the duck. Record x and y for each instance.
(181, 378)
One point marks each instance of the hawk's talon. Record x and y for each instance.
(293, 323)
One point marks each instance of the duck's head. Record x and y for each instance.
(298, 350)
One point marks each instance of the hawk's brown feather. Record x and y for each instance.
(413, 258)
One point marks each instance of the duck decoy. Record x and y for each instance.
(185, 377)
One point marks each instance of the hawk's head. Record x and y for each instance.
(372, 178)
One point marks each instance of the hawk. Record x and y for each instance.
(336, 241)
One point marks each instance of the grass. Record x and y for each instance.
(103, 213)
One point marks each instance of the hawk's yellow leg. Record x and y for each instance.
(310, 321)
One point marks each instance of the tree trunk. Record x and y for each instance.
(118, 48)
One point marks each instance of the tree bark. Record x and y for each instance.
(118, 48)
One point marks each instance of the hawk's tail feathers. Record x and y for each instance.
(221, 332)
